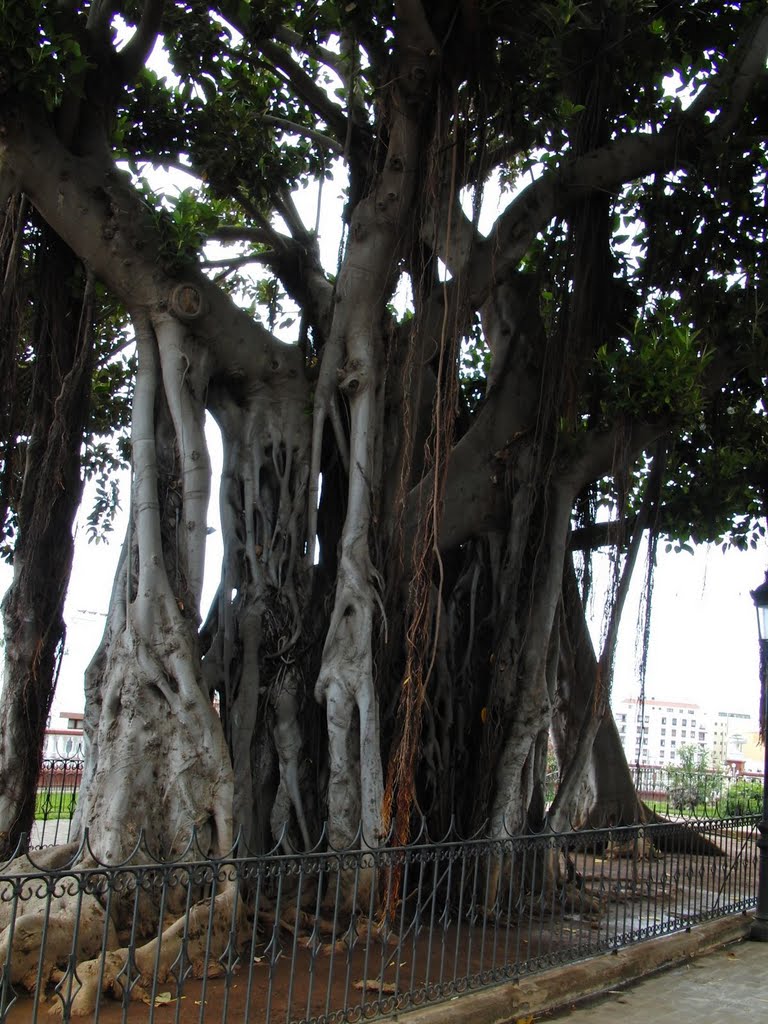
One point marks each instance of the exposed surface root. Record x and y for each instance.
(639, 847)
(48, 930)
(342, 934)
(76, 928)
(193, 945)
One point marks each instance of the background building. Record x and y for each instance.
(729, 734)
(65, 739)
(653, 731)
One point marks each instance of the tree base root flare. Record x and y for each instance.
(197, 941)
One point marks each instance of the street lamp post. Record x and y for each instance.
(759, 930)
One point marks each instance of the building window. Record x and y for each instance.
(693, 723)
(683, 733)
(663, 732)
(663, 721)
(662, 743)
(674, 721)
(674, 732)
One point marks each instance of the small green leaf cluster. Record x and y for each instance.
(40, 56)
(106, 503)
(184, 221)
(718, 474)
(657, 371)
(474, 366)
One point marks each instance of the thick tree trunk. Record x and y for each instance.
(586, 740)
(160, 770)
(521, 663)
(353, 360)
(253, 659)
(50, 498)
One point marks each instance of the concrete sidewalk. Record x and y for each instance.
(706, 976)
(729, 986)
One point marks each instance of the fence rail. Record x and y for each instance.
(331, 936)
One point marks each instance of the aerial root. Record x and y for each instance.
(639, 847)
(199, 939)
(360, 928)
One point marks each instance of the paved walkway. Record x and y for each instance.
(729, 986)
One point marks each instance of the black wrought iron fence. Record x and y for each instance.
(676, 789)
(56, 800)
(327, 936)
(680, 792)
(671, 792)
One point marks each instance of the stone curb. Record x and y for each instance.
(558, 988)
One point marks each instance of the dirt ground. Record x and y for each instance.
(319, 987)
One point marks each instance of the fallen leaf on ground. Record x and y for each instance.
(163, 999)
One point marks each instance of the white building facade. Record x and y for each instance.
(729, 734)
(653, 731)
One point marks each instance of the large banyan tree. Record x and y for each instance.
(411, 487)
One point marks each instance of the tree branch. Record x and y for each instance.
(239, 261)
(490, 159)
(601, 535)
(288, 37)
(608, 167)
(644, 518)
(93, 207)
(299, 129)
(100, 15)
(600, 447)
(295, 260)
(287, 210)
(734, 83)
(602, 169)
(311, 93)
(134, 54)
(234, 233)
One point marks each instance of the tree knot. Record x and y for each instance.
(186, 301)
(352, 378)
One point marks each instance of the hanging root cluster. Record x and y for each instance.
(425, 591)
